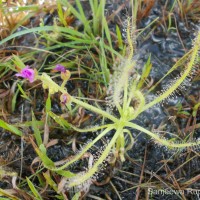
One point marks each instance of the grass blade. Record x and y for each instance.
(37, 133)
(10, 128)
(33, 189)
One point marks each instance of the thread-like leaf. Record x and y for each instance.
(179, 81)
(90, 172)
(88, 146)
(167, 143)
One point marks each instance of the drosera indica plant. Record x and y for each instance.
(123, 90)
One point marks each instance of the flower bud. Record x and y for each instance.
(65, 75)
(65, 98)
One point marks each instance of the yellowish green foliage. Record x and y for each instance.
(123, 89)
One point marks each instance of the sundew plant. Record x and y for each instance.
(124, 88)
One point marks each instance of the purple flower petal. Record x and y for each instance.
(27, 73)
(65, 98)
(59, 68)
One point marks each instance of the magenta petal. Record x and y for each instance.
(64, 99)
(31, 77)
(60, 68)
(27, 73)
(18, 74)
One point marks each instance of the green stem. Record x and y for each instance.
(94, 169)
(138, 95)
(55, 87)
(88, 146)
(129, 39)
(180, 80)
(94, 109)
(125, 99)
(162, 141)
(95, 128)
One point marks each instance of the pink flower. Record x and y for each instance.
(59, 68)
(65, 74)
(65, 98)
(27, 73)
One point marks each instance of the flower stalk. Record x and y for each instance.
(124, 90)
